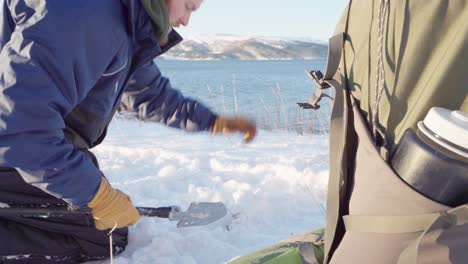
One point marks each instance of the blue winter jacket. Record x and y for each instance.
(66, 66)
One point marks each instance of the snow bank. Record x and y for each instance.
(275, 186)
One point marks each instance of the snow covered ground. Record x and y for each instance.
(277, 185)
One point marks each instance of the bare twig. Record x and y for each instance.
(234, 87)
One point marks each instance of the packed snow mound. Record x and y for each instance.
(274, 186)
(220, 47)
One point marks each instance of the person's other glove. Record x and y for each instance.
(112, 208)
(226, 125)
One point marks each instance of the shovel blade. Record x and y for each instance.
(199, 214)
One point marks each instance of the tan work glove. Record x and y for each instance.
(112, 208)
(226, 125)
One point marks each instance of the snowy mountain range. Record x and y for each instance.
(222, 47)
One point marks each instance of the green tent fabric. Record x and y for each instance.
(285, 252)
(290, 256)
(305, 248)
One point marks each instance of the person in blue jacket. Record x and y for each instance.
(66, 67)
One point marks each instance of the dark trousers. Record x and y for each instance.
(68, 239)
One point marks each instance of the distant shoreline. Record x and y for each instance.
(242, 48)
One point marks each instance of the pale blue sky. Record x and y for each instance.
(290, 18)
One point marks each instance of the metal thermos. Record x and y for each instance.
(433, 160)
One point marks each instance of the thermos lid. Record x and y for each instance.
(447, 128)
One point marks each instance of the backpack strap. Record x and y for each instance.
(335, 48)
(338, 127)
(391, 224)
(441, 231)
(342, 141)
(435, 227)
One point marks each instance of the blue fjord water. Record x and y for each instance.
(266, 91)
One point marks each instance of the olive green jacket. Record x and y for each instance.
(425, 50)
(423, 46)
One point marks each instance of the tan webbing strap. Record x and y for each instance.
(338, 134)
(389, 224)
(424, 223)
(335, 49)
(454, 217)
(337, 126)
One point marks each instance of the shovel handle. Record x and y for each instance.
(162, 212)
(40, 212)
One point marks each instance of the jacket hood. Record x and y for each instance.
(141, 28)
(157, 10)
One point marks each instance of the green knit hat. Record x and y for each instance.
(157, 10)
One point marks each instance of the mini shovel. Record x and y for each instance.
(198, 214)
